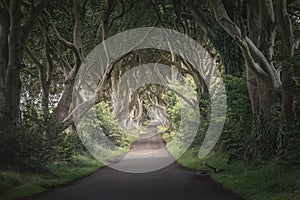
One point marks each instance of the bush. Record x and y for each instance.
(238, 122)
(287, 144)
(100, 118)
(261, 141)
(68, 144)
(23, 149)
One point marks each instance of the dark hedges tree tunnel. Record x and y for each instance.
(44, 44)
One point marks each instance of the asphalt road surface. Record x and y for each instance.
(148, 152)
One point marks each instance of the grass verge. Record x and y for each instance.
(258, 180)
(14, 185)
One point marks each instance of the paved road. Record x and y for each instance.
(170, 183)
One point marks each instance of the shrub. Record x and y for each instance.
(23, 149)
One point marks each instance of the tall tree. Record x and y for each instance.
(15, 27)
(253, 26)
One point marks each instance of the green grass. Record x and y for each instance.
(15, 184)
(259, 180)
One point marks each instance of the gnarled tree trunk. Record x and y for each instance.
(13, 37)
(10, 62)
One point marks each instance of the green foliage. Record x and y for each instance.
(68, 144)
(261, 180)
(16, 184)
(24, 150)
(191, 160)
(29, 147)
(9, 179)
(102, 119)
(238, 122)
(261, 141)
(108, 124)
(287, 144)
(230, 54)
(173, 111)
(282, 145)
(257, 180)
